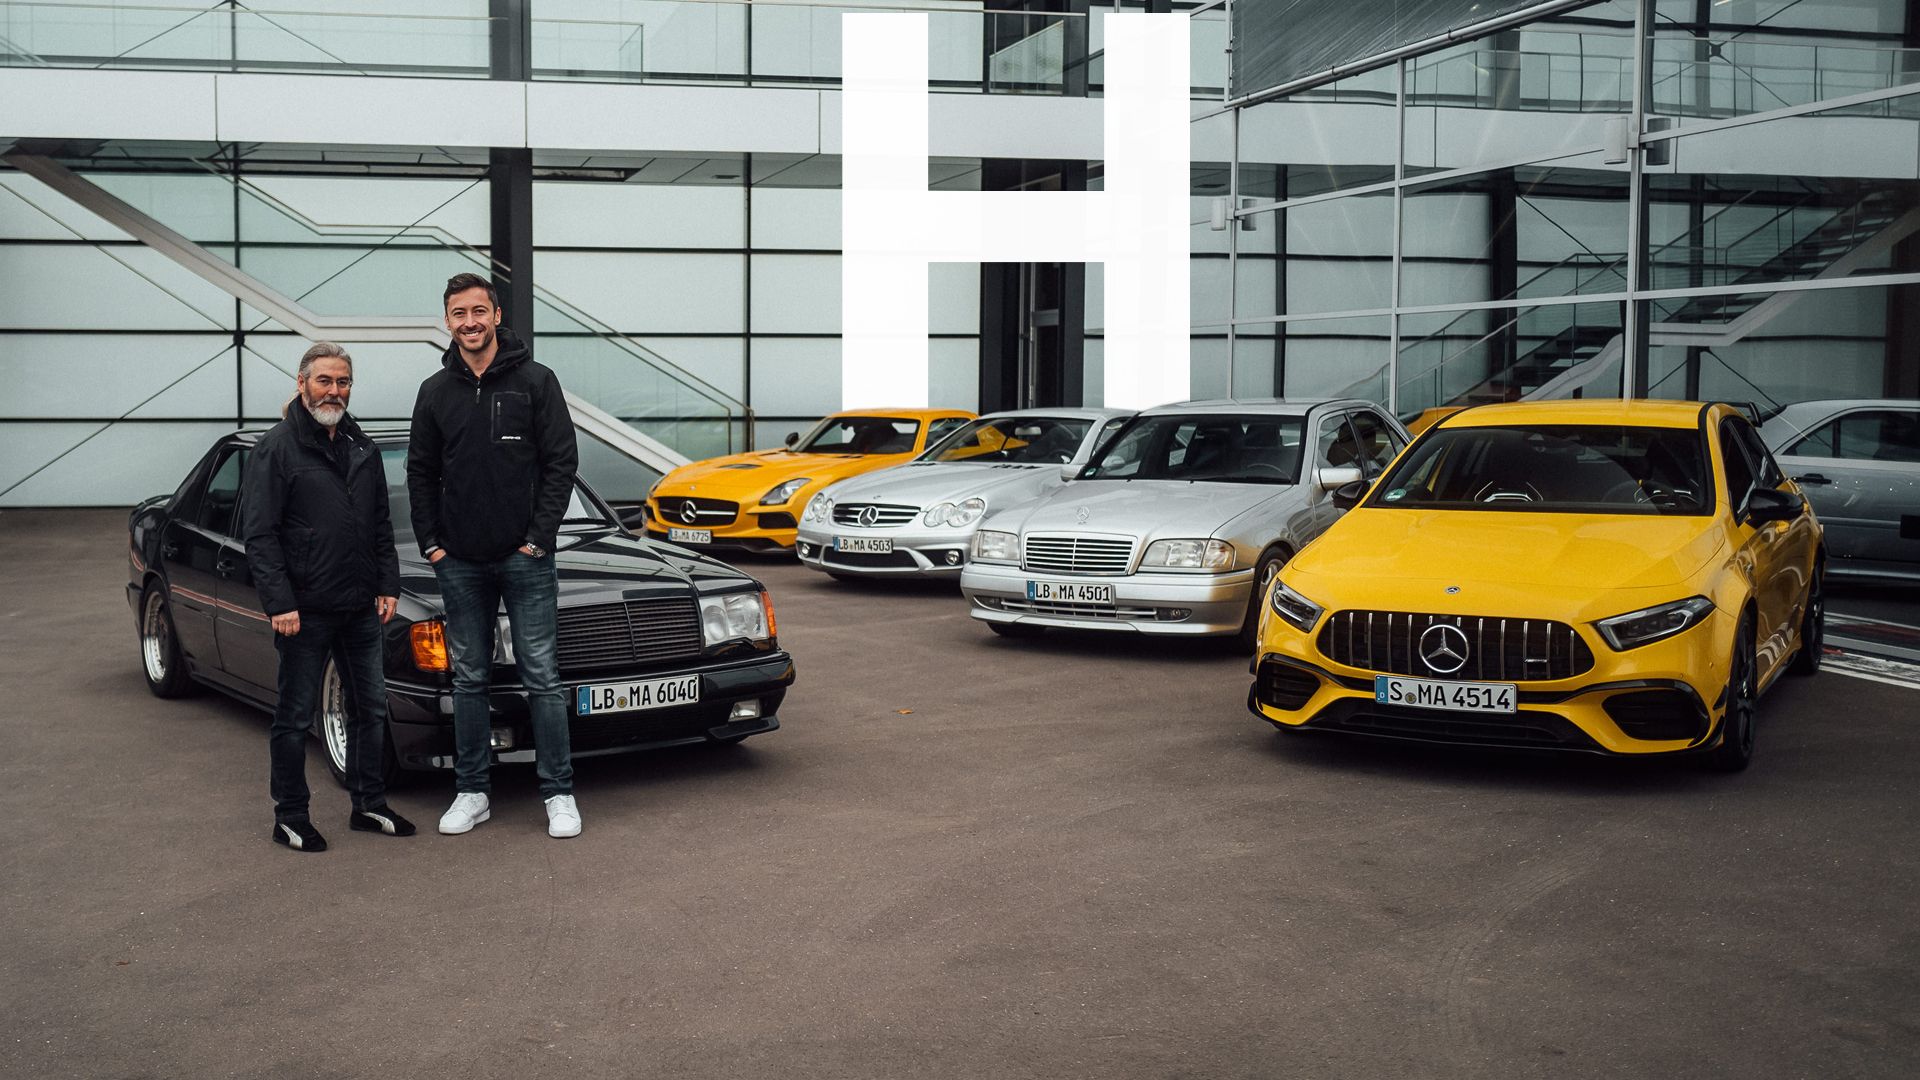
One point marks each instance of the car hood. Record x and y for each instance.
(744, 477)
(1381, 558)
(604, 567)
(1149, 509)
(926, 483)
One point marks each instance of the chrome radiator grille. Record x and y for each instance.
(1506, 650)
(883, 516)
(1078, 555)
(630, 634)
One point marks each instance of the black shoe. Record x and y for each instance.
(380, 819)
(299, 835)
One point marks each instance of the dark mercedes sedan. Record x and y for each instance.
(659, 646)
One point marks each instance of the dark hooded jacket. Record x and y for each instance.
(491, 460)
(315, 518)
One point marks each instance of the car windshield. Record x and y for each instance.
(1027, 440)
(1229, 448)
(860, 435)
(1595, 469)
(581, 510)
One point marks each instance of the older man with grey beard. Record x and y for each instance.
(320, 545)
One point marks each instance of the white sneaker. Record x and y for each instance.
(563, 817)
(469, 808)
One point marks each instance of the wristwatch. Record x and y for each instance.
(534, 549)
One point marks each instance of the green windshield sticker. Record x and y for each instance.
(1395, 494)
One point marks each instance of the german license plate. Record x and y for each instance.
(1451, 696)
(863, 545)
(690, 536)
(1071, 592)
(632, 696)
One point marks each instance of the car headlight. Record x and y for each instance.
(1648, 625)
(1299, 611)
(734, 616)
(779, 496)
(1000, 547)
(954, 515)
(819, 508)
(1188, 555)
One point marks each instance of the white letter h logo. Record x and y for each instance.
(892, 226)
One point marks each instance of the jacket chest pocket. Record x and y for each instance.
(512, 417)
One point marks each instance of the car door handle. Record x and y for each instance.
(224, 566)
(1812, 478)
(169, 551)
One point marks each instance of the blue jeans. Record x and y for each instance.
(353, 640)
(473, 590)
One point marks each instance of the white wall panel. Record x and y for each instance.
(57, 103)
(795, 377)
(30, 210)
(953, 373)
(458, 206)
(83, 288)
(386, 375)
(796, 294)
(953, 298)
(599, 116)
(364, 111)
(796, 218)
(638, 215)
(639, 294)
(119, 467)
(104, 375)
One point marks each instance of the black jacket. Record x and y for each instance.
(491, 460)
(318, 533)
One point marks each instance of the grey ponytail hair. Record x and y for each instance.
(321, 350)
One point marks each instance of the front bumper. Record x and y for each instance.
(421, 720)
(1657, 699)
(1163, 603)
(917, 550)
(759, 529)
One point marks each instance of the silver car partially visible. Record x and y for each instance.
(1181, 523)
(1858, 461)
(917, 519)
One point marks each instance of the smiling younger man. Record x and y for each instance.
(490, 468)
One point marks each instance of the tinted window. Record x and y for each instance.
(1376, 440)
(1034, 440)
(223, 493)
(1740, 474)
(1226, 448)
(1770, 474)
(860, 435)
(1557, 468)
(1877, 435)
(940, 429)
(1337, 445)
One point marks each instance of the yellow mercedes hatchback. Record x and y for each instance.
(1607, 576)
(753, 501)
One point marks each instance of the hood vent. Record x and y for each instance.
(740, 465)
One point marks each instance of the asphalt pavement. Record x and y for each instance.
(959, 857)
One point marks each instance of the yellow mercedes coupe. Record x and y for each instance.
(1607, 576)
(753, 500)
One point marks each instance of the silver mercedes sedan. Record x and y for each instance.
(1858, 461)
(1181, 521)
(918, 518)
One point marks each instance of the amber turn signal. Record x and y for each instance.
(766, 605)
(430, 646)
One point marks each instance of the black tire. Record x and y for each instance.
(1813, 626)
(1735, 751)
(1271, 560)
(1016, 630)
(330, 726)
(161, 661)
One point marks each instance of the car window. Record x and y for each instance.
(1227, 448)
(1740, 472)
(1033, 440)
(1870, 435)
(1566, 468)
(223, 493)
(1337, 446)
(1770, 474)
(861, 435)
(1108, 431)
(943, 427)
(1377, 442)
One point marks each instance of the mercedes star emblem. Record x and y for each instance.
(1452, 589)
(868, 516)
(1444, 648)
(689, 513)
(1081, 515)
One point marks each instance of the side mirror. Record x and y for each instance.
(1334, 476)
(1348, 495)
(792, 437)
(1768, 505)
(633, 517)
(1068, 472)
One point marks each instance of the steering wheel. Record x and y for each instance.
(1645, 493)
(1501, 491)
(1268, 466)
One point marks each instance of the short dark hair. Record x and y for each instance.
(460, 283)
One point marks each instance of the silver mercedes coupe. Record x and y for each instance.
(1181, 521)
(918, 518)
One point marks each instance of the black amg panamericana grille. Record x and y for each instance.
(699, 513)
(636, 633)
(1506, 650)
(1523, 728)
